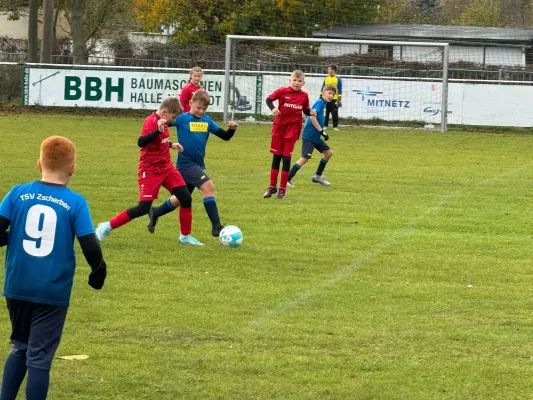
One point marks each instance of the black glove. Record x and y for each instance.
(324, 135)
(97, 277)
(339, 104)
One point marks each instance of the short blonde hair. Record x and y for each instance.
(330, 88)
(202, 97)
(58, 154)
(172, 105)
(298, 74)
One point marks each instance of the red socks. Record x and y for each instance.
(119, 220)
(185, 220)
(284, 179)
(274, 177)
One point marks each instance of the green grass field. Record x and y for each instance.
(410, 277)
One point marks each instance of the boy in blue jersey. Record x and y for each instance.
(312, 138)
(193, 129)
(44, 217)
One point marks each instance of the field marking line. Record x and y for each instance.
(344, 272)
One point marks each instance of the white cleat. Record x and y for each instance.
(289, 184)
(189, 240)
(320, 179)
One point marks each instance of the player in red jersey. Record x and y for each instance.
(188, 90)
(156, 170)
(292, 101)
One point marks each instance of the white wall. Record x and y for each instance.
(19, 29)
(15, 29)
(504, 56)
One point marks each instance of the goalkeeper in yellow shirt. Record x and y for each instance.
(333, 106)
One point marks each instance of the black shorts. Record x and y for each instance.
(308, 147)
(194, 175)
(36, 331)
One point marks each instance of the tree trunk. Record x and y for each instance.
(48, 31)
(32, 31)
(78, 37)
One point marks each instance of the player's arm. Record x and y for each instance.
(185, 97)
(226, 134)
(4, 225)
(93, 254)
(146, 138)
(307, 108)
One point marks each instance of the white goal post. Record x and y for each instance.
(428, 63)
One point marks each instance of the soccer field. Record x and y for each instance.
(410, 277)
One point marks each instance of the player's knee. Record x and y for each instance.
(286, 163)
(19, 350)
(183, 195)
(328, 154)
(144, 207)
(139, 210)
(276, 160)
(208, 188)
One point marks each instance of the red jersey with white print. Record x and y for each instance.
(291, 104)
(186, 95)
(155, 156)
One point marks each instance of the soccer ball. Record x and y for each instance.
(230, 236)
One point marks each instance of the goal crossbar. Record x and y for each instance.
(445, 61)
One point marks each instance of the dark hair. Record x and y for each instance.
(333, 67)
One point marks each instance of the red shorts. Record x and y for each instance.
(287, 131)
(281, 146)
(150, 183)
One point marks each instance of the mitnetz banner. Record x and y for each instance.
(105, 88)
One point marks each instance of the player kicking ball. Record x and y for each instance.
(312, 138)
(156, 170)
(194, 129)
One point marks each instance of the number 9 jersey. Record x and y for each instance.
(40, 260)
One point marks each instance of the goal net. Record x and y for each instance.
(382, 81)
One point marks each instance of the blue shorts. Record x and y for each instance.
(308, 147)
(36, 330)
(194, 175)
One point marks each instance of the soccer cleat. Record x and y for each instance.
(189, 240)
(152, 220)
(216, 230)
(270, 191)
(103, 230)
(335, 129)
(320, 179)
(281, 194)
(289, 184)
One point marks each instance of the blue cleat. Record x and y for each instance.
(103, 230)
(189, 240)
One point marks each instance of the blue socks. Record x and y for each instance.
(212, 211)
(37, 384)
(321, 166)
(163, 209)
(295, 168)
(14, 372)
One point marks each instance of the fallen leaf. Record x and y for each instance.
(75, 357)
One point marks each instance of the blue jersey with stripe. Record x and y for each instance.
(193, 134)
(40, 260)
(310, 133)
